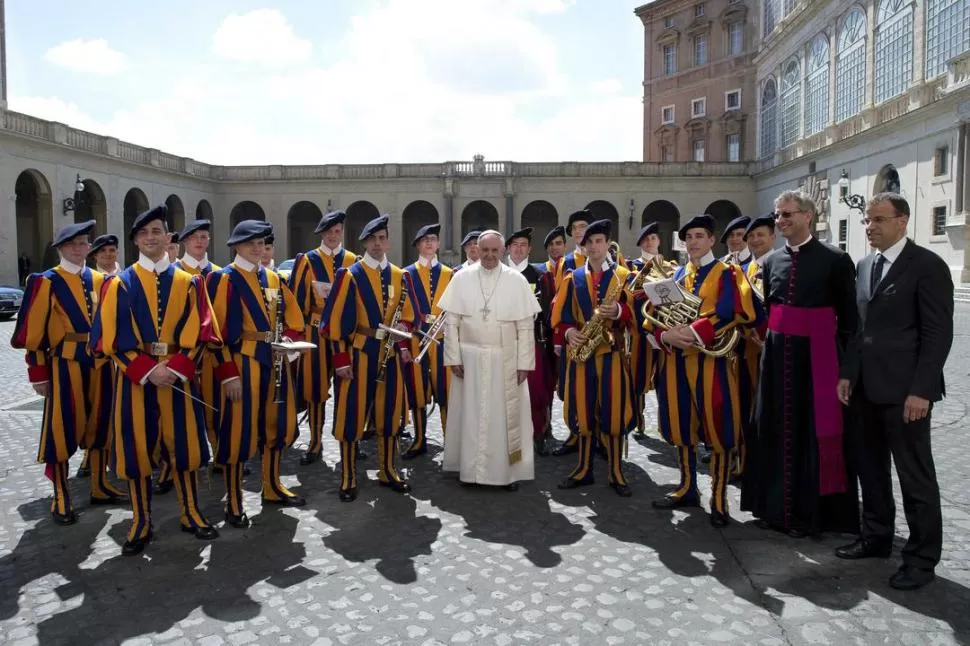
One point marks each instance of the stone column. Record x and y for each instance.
(867, 99)
(833, 62)
(919, 40)
(963, 193)
(3, 58)
(509, 215)
(447, 223)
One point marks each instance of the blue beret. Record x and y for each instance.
(192, 227)
(600, 226)
(737, 223)
(471, 236)
(160, 212)
(375, 225)
(556, 232)
(579, 216)
(107, 240)
(521, 233)
(426, 230)
(652, 227)
(330, 219)
(697, 222)
(249, 230)
(71, 231)
(761, 221)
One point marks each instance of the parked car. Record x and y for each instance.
(10, 299)
(284, 268)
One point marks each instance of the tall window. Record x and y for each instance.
(769, 118)
(734, 148)
(699, 146)
(947, 33)
(939, 220)
(670, 59)
(791, 98)
(772, 10)
(700, 49)
(699, 10)
(850, 66)
(790, 6)
(735, 38)
(894, 49)
(667, 153)
(817, 87)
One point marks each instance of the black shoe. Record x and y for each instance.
(414, 452)
(287, 501)
(704, 455)
(677, 502)
(539, 447)
(246, 470)
(795, 532)
(83, 472)
(111, 499)
(206, 533)
(622, 490)
(162, 488)
(566, 449)
(909, 577)
(136, 546)
(217, 469)
(513, 486)
(719, 518)
(361, 454)
(64, 519)
(864, 548)
(400, 486)
(348, 495)
(310, 457)
(239, 522)
(573, 483)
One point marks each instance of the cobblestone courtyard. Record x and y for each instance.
(455, 565)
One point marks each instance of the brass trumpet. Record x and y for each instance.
(430, 337)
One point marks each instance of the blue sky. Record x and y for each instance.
(337, 81)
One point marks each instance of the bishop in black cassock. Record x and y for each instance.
(796, 478)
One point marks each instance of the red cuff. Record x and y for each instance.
(226, 370)
(294, 335)
(762, 330)
(182, 365)
(657, 333)
(38, 374)
(341, 360)
(626, 314)
(704, 329)
(559, 336)
(404, 345)
(140, 367)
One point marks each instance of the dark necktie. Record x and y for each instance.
(876, 276)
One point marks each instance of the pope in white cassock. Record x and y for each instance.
(489, 347)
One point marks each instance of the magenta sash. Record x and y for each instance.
(819, 326)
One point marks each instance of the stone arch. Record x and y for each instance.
(34, 217)
(887, 181)
(541, 216)
(203, 210)
(90, 204)
(301, 220)
(176, 213)
(479, 215)
(358, 215)
(723, 211)
(246, 210)
(135, 202)
(604, 210)
(415, 215)
(667, 217)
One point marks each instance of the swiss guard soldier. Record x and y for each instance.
(104, 251)
(369, 364)
(254, 308)
(733, 237)
(555, 245)
(153, 322)
(469, 244)
(53, 326)
(312, 279)
(598, 397)
(429, 278)
(269, 248)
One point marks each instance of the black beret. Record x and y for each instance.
(271, 238)
(330, 219)
(761, 221)
(174, 238)
(192, 227)
(249, 230)
(600, 226)
(71, 231)
(652, 227)
(426, 230)
(107, 240)
(697, 222)
(375, 225)
(579, 216)
(740, 222)
(521, 233)
(471, 236)
(160, 212)
(556, 232)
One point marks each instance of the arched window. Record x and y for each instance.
(772, 15)
(947, 33)
(850, 66)
(894, 49)
(769, 118)
(817, 86)
(791, 98)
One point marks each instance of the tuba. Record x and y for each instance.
(673, 313)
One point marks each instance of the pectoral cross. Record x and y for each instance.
(486, 310)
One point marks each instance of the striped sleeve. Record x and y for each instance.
(31, 330)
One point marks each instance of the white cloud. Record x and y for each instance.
(260, 36)
(93, 56)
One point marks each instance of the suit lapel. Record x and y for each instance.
(865, 271)
(896, 269)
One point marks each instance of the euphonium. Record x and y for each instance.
(655, 270)
(597, 328)
(685, 312)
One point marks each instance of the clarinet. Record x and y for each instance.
(278, 363)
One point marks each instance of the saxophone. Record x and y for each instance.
(597, 328)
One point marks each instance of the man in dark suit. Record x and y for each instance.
(905, 298)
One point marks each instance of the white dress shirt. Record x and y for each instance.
(373, 263)
(150, 265)
(519, 267)
(189, 261)
(244, 264)
(890, 255)
(70, 267)
(428, 262)
(327, 251)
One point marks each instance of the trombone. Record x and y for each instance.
(430, 337)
